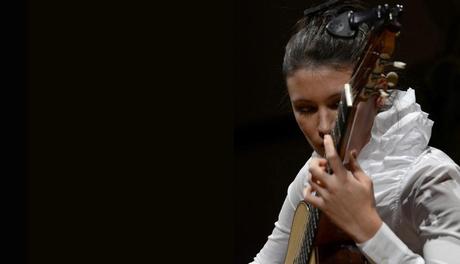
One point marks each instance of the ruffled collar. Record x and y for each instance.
(398, 137)
(399, 134)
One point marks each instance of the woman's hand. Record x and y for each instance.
(346, 197)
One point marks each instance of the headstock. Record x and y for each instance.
(347, 23)
(367, 89)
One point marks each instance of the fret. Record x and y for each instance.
(314, 222)
(304, 250)
(308, 239)
(343, 112)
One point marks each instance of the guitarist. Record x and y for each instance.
(399, 199)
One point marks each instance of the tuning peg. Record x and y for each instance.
(385, 61)
(392, 79)
(395, 64)
(399, 65)
(383, 94)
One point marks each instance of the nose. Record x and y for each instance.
(326, 120)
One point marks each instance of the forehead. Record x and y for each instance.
(316, 84)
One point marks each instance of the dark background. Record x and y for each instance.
(269, 147)
(118, 123)
(114, 138)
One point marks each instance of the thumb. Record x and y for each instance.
(355, 169)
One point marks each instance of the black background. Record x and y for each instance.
(147, 133)
(269, 147)
(117, 132)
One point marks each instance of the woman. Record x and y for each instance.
(400, 202)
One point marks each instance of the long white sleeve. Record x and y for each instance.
(386, 247)
(432, 210)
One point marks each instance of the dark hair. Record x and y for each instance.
(312, 46)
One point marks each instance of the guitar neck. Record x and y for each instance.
(343, 116)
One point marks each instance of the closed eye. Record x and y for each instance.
(305, 109)
(335, 105)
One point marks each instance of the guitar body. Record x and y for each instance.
(331, 246)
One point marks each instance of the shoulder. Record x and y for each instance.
(432, 166)
(430, 199)
(433, 175)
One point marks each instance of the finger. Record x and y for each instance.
(355, 168)
(322, 192)
(323, 164)
(312, 199)
(320, 162)
(319, 175)
(333, 158)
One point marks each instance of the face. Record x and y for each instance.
(315, 96)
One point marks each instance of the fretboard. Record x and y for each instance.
(343, 111)
(311, 229)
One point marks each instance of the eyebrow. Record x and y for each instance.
(333, 96)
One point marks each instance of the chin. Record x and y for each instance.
(320, 151)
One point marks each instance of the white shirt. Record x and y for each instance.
(416, 188)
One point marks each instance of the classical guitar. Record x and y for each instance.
(314, 239)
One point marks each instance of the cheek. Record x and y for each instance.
(333, 115)
(305, 124)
